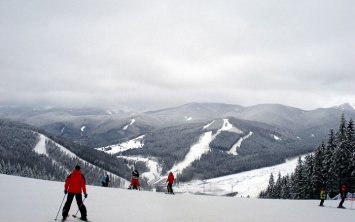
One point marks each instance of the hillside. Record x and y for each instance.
(260, 136)
(28, 151)
(109, 204)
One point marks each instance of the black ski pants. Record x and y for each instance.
(170, 188)
(343, 196)
(79, 201)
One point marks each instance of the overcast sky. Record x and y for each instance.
(158, 54)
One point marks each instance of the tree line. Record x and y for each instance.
(330, 165)
(17, 157)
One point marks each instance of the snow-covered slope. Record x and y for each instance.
(248, 183)
(40, 148)
(30, 200)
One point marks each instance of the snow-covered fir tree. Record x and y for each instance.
(331, 164)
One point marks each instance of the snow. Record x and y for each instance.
(40, 148)
(229, 127)
(153, 166)
(83, 128)
(233, 150)
(196, 151)
(126, 127)
(202, 147)
(40, 202)
(276, 138)
(248, 183)
(206, 126)
(135, 143)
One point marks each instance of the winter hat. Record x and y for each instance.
(77, 167)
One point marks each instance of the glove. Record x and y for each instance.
(65, 191)
(85, 195)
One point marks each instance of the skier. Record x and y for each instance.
(103, 181)
(107, 180)
(170, 182)
(135, 182)
(343, 195)
(74, 185)
(323, 195)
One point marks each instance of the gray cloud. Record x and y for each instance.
(164, 53)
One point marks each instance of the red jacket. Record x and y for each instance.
(75, 183)
(171, 178)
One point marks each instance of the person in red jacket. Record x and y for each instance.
(170, 181)
(135, 182)
(74, 184)
(342, 195)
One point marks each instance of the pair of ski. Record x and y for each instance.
(65, 219)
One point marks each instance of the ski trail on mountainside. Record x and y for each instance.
(202, 147)
(40, 148)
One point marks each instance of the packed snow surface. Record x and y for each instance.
(31, 200)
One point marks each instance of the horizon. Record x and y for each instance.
(125, 108)
(167, 53)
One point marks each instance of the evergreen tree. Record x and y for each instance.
(298, 183)
(308, 186)
(329, 162)
(270, 187)
(342, 154)
(319, 170)
(350, 133)
(276, 193)
(285, 187)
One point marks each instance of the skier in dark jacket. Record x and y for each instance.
(343, 195)
(135, 182)
(74, 185)
(323, 196)
(107, 181)
(170, 181)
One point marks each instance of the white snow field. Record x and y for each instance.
(31, 200)
(248, 183)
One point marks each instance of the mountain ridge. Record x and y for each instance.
(276, 132)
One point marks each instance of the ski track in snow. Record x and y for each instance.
(233, 150)
(202, 147)
(196, 151)
(206, 126)
(126, 127)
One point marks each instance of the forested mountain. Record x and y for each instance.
(330, 165)
(263, 135)
(18, 157)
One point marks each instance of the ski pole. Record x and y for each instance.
(74, 215)
(60, 206)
